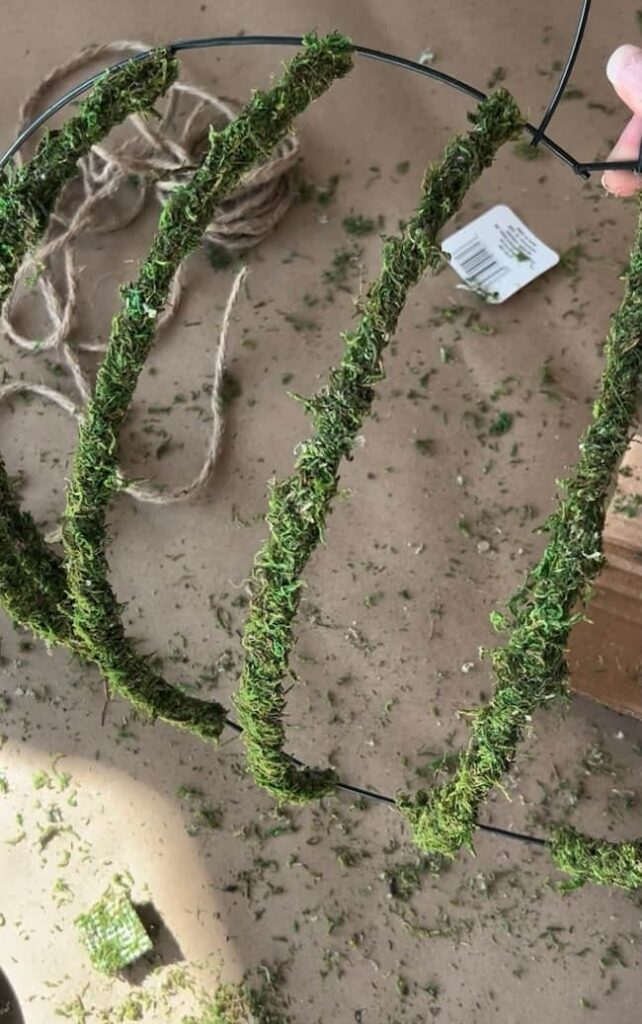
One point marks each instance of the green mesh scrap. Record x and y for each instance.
(112, 932)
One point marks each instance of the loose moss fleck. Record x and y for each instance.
(220, 258)
(343, 261)
(570, 259)
(358, 225)
(32, 582)
(241, 1004)
(299, 505)
(526, 151)
(501, 424)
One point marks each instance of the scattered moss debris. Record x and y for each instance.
(501, 424)
(527, 151)
(300, 504)
(241, 1004)
(569, 260)
(587, 859)
(359, 226)
(112, 932)
(530, 670)
(220, 258)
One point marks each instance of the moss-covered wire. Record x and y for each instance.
(300, 504)
(79, 609)
(33, 582)
(96, 615)
(32, 579)
(28, 194)
(530, 670)
(587, 859)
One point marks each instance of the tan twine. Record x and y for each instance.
(154, 158)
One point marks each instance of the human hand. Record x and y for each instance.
(624, 71)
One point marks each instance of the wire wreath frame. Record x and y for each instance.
(539, 136)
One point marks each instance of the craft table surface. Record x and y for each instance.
(420, 548)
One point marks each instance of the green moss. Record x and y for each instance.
(28, 194)
(501, 424)
(299, 506)
(95, 477)
(358, 225)
(32, 582)
(530, 670)
(587, 859)
(241, 1004)
(34, 587)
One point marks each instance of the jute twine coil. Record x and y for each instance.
(156, 157)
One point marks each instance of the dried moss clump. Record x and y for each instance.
(587, 859)
(241, 1004)
(299, 505)
(32, 581)
(94, 477)
(530, 670)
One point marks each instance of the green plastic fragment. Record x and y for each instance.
(112, 932)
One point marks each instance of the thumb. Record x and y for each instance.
(624, 71)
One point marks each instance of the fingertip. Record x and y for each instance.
(621, 183)
(621, 59)
(624, 71)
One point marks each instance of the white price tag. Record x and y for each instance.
(496, 254)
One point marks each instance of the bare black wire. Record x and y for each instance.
(369, 794)
(209, 42)
(566, 71)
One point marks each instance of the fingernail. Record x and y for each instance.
(625, 66)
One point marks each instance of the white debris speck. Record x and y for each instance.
(467, 667)
(483, 546)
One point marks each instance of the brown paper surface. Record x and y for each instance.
(419, 549)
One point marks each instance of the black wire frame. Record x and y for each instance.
(537, 132)
(539, 137)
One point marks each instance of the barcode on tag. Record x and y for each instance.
(496, 255)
